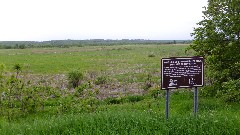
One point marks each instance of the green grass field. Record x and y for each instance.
(122, 65)
(107, 58)
(122, 105)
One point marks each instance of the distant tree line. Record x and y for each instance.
(80, 43)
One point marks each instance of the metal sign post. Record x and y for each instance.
(167, 104)
(195, 100)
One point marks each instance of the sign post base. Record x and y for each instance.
(167, 104)
(195, 100)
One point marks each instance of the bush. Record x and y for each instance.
(18, 68)
(79, 90)
(134, 98)
(112, 100)
(8, 47)
(154, 92)
(2, 70)
(148, 83)
(230, 91)
(101, 80)
(210, 90)
(74, 78)
(126, 99)
(21, 46)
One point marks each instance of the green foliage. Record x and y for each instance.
(79, 90)
(124, 99)
(74, 78)
(21, 46)
(111, 100)
(210, 90)
(2, 71)
(218, 39)
(154, 92)
(134, 98)
(148, 82)
(101, 80)
(18, 68)
(65, 104)
(2, 68)
(19, 98)
(230, 91)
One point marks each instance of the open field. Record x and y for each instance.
(125, 67)
(98, 58)
(119, 94)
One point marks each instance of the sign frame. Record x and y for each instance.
(195, 66)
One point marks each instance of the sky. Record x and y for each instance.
(43, 20)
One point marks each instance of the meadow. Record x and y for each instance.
(87, 58)
(119, 94)
(124, 66)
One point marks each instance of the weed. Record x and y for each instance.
(101, 80)
(80, 89)
(151, 55)
(75, 77)
(134, 98)
(111, 100)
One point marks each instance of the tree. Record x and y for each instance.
(217, 39)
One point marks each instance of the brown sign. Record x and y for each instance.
(182, 72)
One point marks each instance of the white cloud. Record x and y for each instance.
(84, 19)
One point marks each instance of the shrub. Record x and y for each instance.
(112, 100)
(154, 92)
(148, 83)
(230, 91)
(8, 47)
(2, 70)
(210, 90)
(74, 78)
(79, 90)
(22, 46)
(65, 104)
(134, 98)
(101, 80)
(18, 69)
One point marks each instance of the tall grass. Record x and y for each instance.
(125, 122)
(144, 116)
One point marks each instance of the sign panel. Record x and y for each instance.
(182, 72)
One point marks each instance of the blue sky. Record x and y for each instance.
(40, 20)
